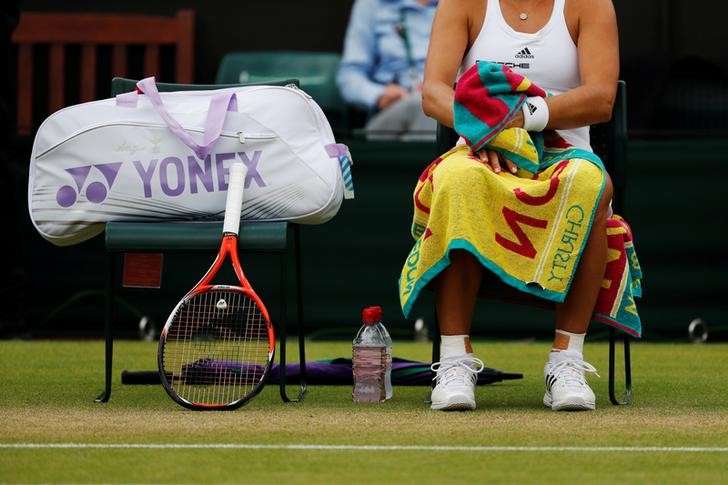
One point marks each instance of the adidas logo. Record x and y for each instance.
(531, 108)
(524, 54)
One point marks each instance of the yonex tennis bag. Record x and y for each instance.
(150, 156)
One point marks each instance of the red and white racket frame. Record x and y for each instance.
(228, 249)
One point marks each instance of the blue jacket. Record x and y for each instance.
(375, 52)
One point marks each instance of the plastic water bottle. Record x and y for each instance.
(372, 359)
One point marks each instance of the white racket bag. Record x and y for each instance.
(150, 156)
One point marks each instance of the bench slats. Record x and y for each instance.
(57, 74)
(88, 73)
(118, 60)
(25, 88)
(91, 30)
(151, 60)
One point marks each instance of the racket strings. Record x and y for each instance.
(217, 348)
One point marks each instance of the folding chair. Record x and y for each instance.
(279, 238)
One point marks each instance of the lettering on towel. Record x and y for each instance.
(568, 248)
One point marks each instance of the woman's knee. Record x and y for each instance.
(608, 192)
(606, 198)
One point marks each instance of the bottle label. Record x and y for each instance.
(369, 367)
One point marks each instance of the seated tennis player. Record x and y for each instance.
(570, 49)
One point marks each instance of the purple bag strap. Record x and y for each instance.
(220, 104)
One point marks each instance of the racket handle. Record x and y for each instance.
(234, 202)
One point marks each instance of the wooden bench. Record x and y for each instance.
(90, 31)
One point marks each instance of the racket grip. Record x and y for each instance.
(234, 202)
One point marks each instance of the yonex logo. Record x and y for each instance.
(524, 53)
(172, 176)
(96, 192)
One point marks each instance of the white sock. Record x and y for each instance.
(452, 346)
(576, 342)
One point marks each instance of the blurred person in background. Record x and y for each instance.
(383, 63)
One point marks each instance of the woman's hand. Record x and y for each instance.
(495, 161)
(391, 94)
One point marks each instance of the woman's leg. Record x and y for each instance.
(566, 386)
(574, 315)
(457, 293)
(460, 191)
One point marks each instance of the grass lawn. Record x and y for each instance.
(48, 390)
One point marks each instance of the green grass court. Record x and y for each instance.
(48, 389)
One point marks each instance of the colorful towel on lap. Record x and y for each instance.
(528, 228)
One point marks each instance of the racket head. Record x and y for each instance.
(216, 349)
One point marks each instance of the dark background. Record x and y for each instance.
(667, 46)
(673, 59)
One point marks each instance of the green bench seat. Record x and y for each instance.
(192, 236)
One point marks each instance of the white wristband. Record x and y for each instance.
(535, 114)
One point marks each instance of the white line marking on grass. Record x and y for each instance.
(306, 447)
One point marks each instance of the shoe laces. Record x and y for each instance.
(571, 371)
(457, 370)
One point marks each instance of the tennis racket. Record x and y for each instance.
(217, 347)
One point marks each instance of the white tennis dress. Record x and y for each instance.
(548, 57)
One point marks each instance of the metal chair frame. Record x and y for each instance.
(291, 250)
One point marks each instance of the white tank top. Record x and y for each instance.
(549, 57)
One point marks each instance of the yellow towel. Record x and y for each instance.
(528, 229)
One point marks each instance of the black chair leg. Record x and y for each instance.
(627, 396)
(108, 330)
(435, 344)
(282, 332)
(299, 312)
(435, 350)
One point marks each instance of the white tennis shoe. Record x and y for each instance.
(566, 386)
(455, 383)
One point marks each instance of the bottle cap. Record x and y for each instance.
(371, 315)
